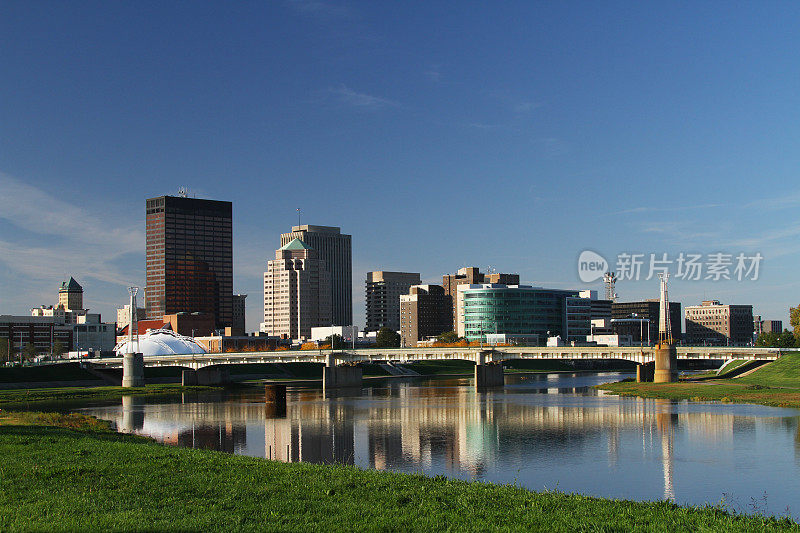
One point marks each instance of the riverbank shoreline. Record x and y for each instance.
(23, 399)
(776, 384)
(62, 472)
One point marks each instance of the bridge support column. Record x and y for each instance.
(132, 415)
(133, 370)
(341, 376)
(644, 372)
(488, 374)
(275, 400)
(213, 376)
(188, 378)
(666, 364)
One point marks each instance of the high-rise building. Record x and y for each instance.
(514, 310)
(334, 248)
(424, 312)
(297, 292)
(472, 276)
(648, 313)
(70, 295)
(383, 298)
(712, 323)
(238, 314)
(189, 258)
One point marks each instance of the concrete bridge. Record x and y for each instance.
(340, 369)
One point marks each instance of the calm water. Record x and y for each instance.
(541, 431)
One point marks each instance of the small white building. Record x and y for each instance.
(345, 332)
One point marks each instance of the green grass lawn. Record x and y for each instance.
(784, 372)
(87, 478)
(24, 398)
(776, 384)
(50, 372)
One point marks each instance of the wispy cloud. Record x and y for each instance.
(363, 101)
(780, 202)
(525, 107)
(318, 8)
(551, 146)
(651, 209)
(63, 238)
(434, 74)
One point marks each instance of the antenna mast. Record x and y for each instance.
(133, 323)
(610, 279)
(664, 325)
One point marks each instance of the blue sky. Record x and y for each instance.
(440, 135)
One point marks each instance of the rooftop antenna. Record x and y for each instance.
(183, 192)
(298, 217)
(610, 279)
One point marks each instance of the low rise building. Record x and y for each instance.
(472, 276)
(766, 326)
(383, 297)
(714, 324)
(191, 324)
(649, 312)
(511, 309)
(90, 333)
(346, 333)
(257, 342)
(39, 331)
(425, 312)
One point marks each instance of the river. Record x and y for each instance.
(540, 431)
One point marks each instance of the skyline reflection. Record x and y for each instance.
(543, 432)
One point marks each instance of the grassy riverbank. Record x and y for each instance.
(80, 476)
(25, 398)
(776, 384)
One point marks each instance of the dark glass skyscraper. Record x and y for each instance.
(189, 257)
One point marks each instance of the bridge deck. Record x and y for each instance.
(634, 354)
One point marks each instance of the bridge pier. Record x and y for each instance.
(334, 377)
(132, 415)
(644, 372)
(666, 364)
(133, 370)
(488, 374)
(275, 400)
(206, 376)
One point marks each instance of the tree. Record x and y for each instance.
(387, 338)
(5, 355)
(768, 340)
(786, 340)
(58, 348)
(448, 337)
(794, 320)
(335, 342)
(29, 351)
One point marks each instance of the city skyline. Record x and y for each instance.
(553, 130)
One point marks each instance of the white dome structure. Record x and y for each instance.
(162, 342)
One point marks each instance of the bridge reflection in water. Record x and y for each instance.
(532, 425)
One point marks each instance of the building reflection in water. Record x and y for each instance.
(451, 426)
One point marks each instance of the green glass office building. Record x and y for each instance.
(511, 309)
